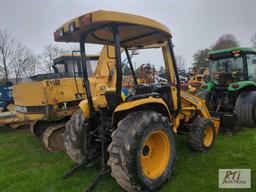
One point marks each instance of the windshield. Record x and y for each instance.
(251, 63)
(93, 65)
(148, 65)
(229, 67)
(72, 66)
(60, 67)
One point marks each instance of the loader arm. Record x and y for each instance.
(191, 104)
(196, 103)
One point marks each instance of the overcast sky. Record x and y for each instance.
(195, 24)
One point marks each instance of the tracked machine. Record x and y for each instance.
(133, 135)
(45, 102)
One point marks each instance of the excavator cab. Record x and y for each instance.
(71, 64)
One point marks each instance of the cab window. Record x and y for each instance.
(251, 63)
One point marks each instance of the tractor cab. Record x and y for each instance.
(232, 65)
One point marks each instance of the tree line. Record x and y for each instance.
(223, 42)
(17, 60)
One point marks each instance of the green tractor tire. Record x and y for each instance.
(245, 109)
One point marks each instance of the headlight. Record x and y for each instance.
(72, 27)
(61, 32)
(21, 109)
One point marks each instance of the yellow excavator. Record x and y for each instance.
(45, 102)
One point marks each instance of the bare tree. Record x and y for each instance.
(180, 62)
(23, 62)
(15, 58)
(225, 41)
(6, 49)
(253, 39)
(18, 64)
(49, 54)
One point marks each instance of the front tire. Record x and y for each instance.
(201, 134)
(245, 109)
(73, 137)
(142, 151)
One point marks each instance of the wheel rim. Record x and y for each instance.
(155, 154)
(208, 136)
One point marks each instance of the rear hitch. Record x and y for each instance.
(105, 170)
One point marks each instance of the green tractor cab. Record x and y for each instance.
(231, 89)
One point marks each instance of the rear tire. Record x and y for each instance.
(142, 151)
(73, 137)
(202, 134)
(245, 109)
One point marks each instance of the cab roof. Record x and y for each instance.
(242, 49)
(76, 56)
(134, 31)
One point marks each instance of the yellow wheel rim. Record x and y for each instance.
(208, 136)
(155, 154)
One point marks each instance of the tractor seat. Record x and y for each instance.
(110, 96)
(146, 90)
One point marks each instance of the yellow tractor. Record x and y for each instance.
(133, 135)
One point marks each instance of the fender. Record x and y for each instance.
(208, 86)
(85, 108)
(242, 85)
(98, 102)
(150, 103)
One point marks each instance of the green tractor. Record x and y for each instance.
(230, 91)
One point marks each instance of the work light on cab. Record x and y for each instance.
(72, 27)
(61, 32)
(236, 53)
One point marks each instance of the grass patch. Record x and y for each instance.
(26, 166)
